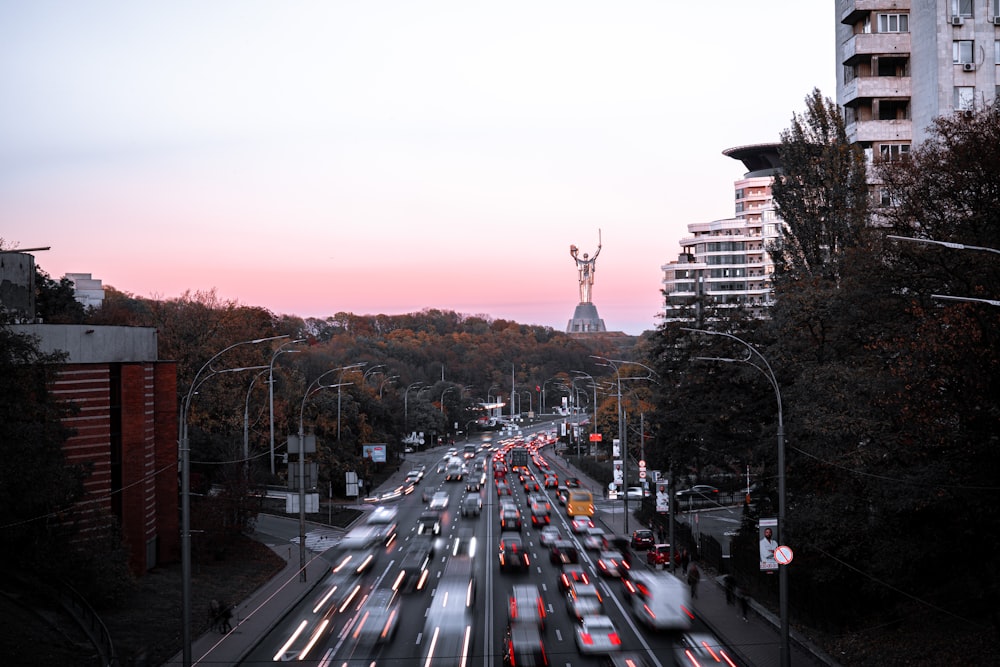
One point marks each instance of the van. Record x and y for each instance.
(659, 600)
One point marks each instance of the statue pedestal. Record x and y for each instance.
(585, 320)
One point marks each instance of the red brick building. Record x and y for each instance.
(125, 429)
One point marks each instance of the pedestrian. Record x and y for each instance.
(693, 579)
(741, 597)
(227, 614)
(685, 559)
(214, 614)
(730, 585)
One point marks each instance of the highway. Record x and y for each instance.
(459, 613)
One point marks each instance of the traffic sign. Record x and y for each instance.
(595, 437)
(783, 555)
(642, 474)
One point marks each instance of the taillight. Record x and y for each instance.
(587, 639)
(615, 639)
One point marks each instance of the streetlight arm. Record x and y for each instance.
(991, 302)
(946, 244)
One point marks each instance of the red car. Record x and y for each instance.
(659, 554)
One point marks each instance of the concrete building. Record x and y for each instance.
(901, 63)
(86, 289)
(725, 262)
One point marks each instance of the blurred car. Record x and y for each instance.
(472, 505)
(551, 481)
(503, 489)
(381, 618)
(510, 519)
(531, 486)
(636, 493)
(701, 648)
(642, 539)
(414, 476)
(629, 659)
(572, 482)
(597, 634)
(595, 539)
(540, 517)
(449, 620)
(580, 524)
(540, 501)
(659, 554)
(439, 501)
(698, 492)
(562, 552)
(429, 523)
(583, 600)
(523, 646)
(474, 483)
(548, 535)
(611, 564)
(525, 604)
(383, 520)
(571, 575)
(512, 554)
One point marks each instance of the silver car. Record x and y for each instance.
(597, 635)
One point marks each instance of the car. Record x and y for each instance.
(539, 517)
(473, 484)
(538, 500)
(572, 482)
(510, 519)
(581, 524)
(583, 600)
(531, 486)
(551, 481)
(595, 539)
(380, 621)
(503, 489)
(513, 555)
(472, 505)
(659, 554)
(698, 492)
(701, 648)
(611, 564)
(383, 520)
(628, 659)
(525, 604)
(414, 477)
(523, 646)
(449, 619)
(636, 493)
(597, 635)
(562, 552)
(659, 600)
(571, 575)
(548, 535)
(439, 501)
(429, 523)
(642, 539)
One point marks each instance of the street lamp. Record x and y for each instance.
(953, 246)
(270, 389)
(185, 455)
(765, 369)
(446, 390)
(406, 405)
(246, 427)
(386, 380)
(369, 371)
(340, 383)
(313, 388)
(593, 382)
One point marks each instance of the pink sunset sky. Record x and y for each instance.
(386, 157)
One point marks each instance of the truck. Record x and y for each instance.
(519, 457)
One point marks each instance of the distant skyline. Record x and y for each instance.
(386, 157)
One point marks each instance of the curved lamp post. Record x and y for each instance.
(246, 427)
(340, 383)
(765, 369)
(406, 406)
(270, 389)
(386, 380)
(953, 246)
(185, 455)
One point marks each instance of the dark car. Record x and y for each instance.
(699, 492)
(563, 552)
(512, 554)
(523, 646)
(571, 575)
(429, 523)
(642, 539)
(539, 517)
(510, 519)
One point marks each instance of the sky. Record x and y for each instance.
(366, 156)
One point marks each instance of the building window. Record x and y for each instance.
(996, 50)
(893, 152)
(893, 22)
(996, 7)
(961, 51)
(961, 7)
(964, 98)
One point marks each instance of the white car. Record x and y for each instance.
(583, 600)
(581, 524)
(595, 539)
(597, 635)
(439, 501)
(548, 535)
(611, 564)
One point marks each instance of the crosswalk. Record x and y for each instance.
(320, 539)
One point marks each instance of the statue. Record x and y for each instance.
(586, 268)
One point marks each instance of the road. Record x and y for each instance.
(327, 628)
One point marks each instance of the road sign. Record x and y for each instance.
(595, 437)
(783, 555)
(642, 474)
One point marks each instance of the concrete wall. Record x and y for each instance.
(94, 344)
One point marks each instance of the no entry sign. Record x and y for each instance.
(783, 555)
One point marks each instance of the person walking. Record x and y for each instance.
(214, 614)
(730, 584)
(741, 597)
(225, 627)
(693, 579)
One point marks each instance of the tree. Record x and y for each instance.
(55, 301)
(821, 195)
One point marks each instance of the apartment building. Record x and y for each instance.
(904, 62)
(725, 262)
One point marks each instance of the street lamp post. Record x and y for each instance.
(313, 388)
(953, 246)
(340, 383)
(593, 382)
(185, 456)
(270, 389)
(765, 369)
(246, 427)
(406, 414)
(386, 380)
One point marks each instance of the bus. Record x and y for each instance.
(579, 502)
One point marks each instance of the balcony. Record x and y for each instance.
(868, 131)
(857, 10)
(862, 47)
(869, 87)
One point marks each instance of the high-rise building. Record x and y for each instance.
(725, 262)
(901, 63)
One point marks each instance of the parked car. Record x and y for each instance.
(659, 554)
(642, 539)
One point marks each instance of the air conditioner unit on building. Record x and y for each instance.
(967, 113)
(996, 20)
(957, 20)
(968, 67)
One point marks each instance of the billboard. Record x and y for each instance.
(375, 452)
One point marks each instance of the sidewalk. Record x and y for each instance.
(756, 640)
